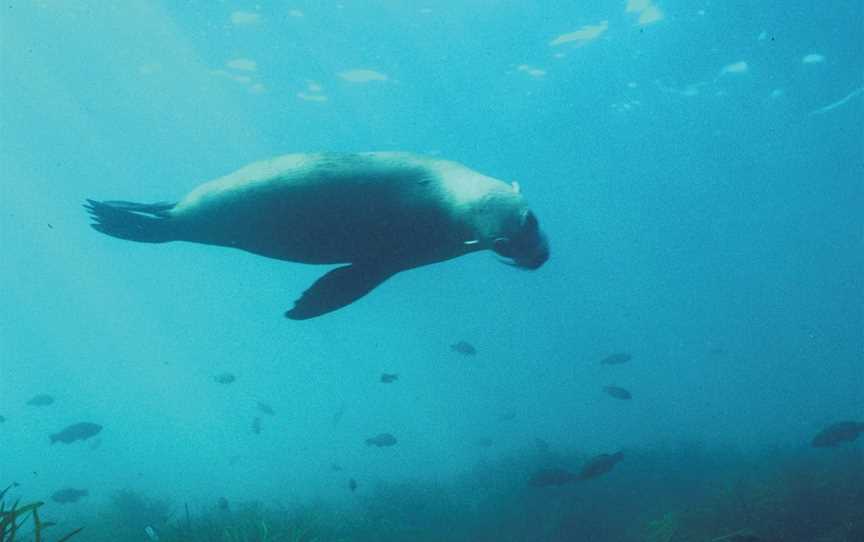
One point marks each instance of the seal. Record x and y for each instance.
(378, 212)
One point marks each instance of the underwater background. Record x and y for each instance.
(698, 167)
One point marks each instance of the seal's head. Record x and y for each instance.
(524, 244)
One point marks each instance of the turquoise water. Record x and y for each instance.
(697, 167)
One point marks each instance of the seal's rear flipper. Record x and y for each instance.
(338, 288)
(145, 222)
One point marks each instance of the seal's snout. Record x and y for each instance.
(537, 261)
(536, 257)
(530, 253)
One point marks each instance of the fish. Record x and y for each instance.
(541, 445)
(484, 442)
(599, 465)
(551, 477)
(2, 419)
(69, 495)
(617, 393)
(381, 440)
(222, 504)
(77, 431)
(225, 378)
(337, 416)
(387, 378)
(616, 359)
(41, 400)
(463, 347)
(336, 467)
(837, 433)
(256, 426)
(352, 485)
(266, 408)
(506, 416)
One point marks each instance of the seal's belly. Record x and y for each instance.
(330, 221)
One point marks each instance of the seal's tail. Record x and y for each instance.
(144, 222)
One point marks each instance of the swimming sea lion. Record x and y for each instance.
(380, 213)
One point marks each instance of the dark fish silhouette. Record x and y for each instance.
(616, 359)
(541, 445)
(2, 419)
(41, 400)
(388, 378)
(225, 378)
(222, 504)
(78, 431)
(69, 495)
(337, 416)
(352, 485)
(599, 465)
(838, 433)
(265, 408)
(382, 440)
(507, 415)
(617, 393)
(551, 477)
(464, 348)
(256, 426)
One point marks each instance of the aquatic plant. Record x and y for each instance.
(13, 518)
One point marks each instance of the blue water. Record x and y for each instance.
(700, 177)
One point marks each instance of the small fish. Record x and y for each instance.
(256, 426)
(222, 504)
(225, 378)
(838, 433)
(78, 431)
(69, 495)
(599, 465)
(382, 440)
(541, 445)
(41, 400)
(336, 467)
(337, 416)
(151, 534)
(352, 485)
(507, 416)
(2, 419)
(484, 442)
(265, 408)
(551, 477)
(464, 348)
(617, 393)
(616, 359)
(388, 378)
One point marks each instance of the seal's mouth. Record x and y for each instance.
(519, 255)
(535, 262)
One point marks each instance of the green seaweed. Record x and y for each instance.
(13, 518)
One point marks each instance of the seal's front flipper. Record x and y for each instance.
(336, 289)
